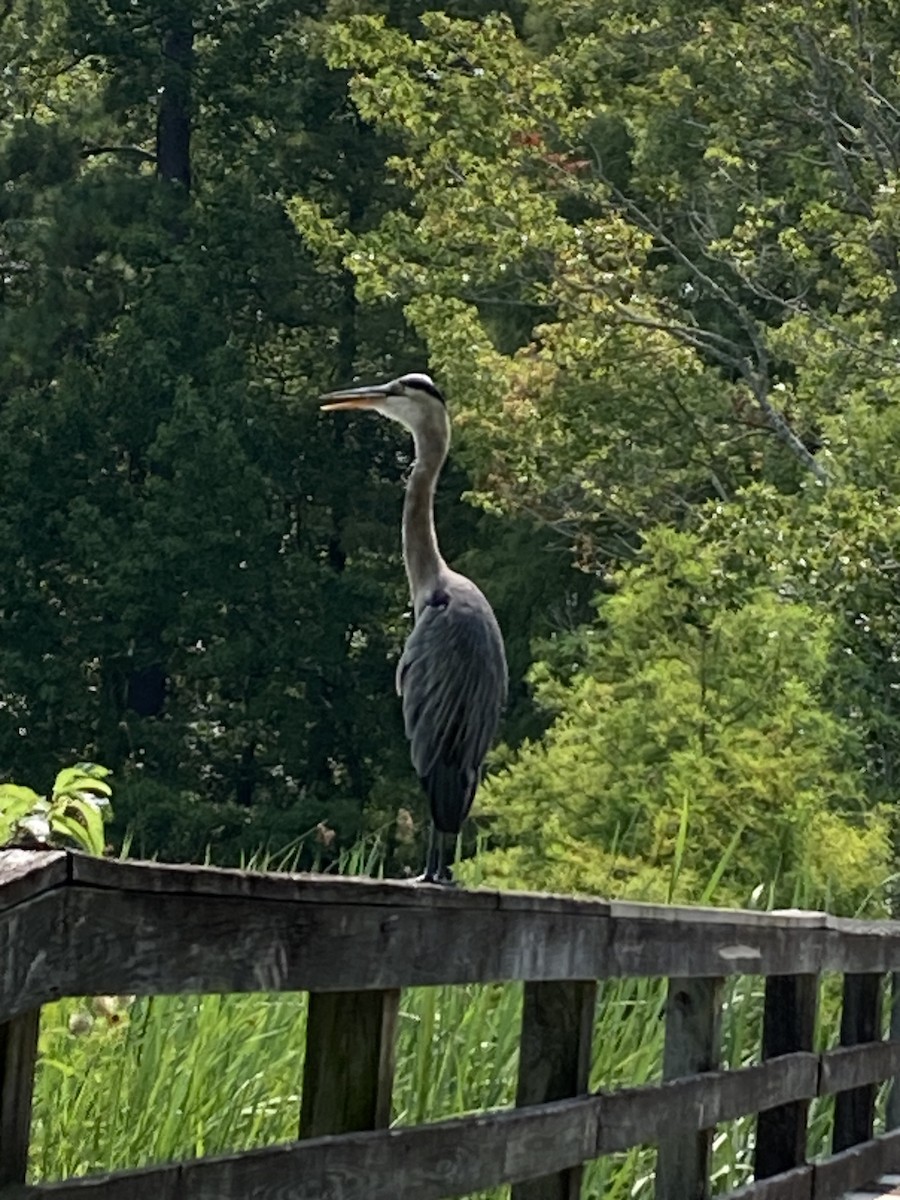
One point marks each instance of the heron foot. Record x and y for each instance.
(441, 878)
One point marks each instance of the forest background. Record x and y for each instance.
(650, 251)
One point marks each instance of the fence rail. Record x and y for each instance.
(71, 925)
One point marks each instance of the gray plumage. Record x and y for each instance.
(452, 676)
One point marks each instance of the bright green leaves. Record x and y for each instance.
(698, 699)
(73, 815)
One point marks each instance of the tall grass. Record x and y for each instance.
(127, 1084)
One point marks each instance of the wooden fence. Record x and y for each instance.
(76, 926)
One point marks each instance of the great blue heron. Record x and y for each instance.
(452, 675)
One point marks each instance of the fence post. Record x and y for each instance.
(348, 1071)
(892, 1116)
(693, 1008)
(18, 1053)
(854, 1110)
(554, 1064)
(789, 1022)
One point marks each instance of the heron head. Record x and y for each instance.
(413, 400)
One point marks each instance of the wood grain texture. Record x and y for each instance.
(28, 873)
(790, 1185)
(38, 955)
(18, 1052)
(554, 1064)
(141, 943)
(789, 1019)
(348, 1067)
(854, 1110)
(236, 931)
(838, 1174)
(854, 1066)
(693, 1008)
(645, 1115)
(454, 1158)
(144, 943)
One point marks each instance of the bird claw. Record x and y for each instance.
(439, 879)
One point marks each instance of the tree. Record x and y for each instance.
(204, 586)
(693, 751)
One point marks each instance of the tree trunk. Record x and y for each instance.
(173, 125)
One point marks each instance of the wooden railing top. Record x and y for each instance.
(96, 926)
(25, 874)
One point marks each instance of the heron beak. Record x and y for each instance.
(362, 397)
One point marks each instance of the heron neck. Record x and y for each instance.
(421, 553)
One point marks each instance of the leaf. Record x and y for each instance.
(16, 799)
(83, 777)
(83, 824)
(82, 787)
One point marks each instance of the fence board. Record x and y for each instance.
(693, 1008)
(18, 1051)
(853, 1066)
(146, 943)
(838, 1174)
(348, 1067)
(790, 1185)
(644, 1115)
(27, 873)
(789, 1021)
(453, 1158)
(854, 1110)
(206, 930)
(554, 1064)
(892, 1115)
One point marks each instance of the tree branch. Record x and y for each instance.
(136, 151)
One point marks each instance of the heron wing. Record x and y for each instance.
(453, 680)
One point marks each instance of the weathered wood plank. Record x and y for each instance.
(693, 1008)
(554, 1064)
(38, 959)
(854, 1110)
(291, 887)
(790, 1185)
(348, 1068)
(154, 943)
(143, 944)
(838, 1174)
(27, 873)
(892, 1114)
(864, 947)
(877, 1189)
(428, 1162)
(18, 1052)
(644, 1115)
(788, 1025)
(159, 878)
(296, 937)
(645, 940)
(854, 1066)
(453, 1158)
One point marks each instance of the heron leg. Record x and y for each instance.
(436, 868)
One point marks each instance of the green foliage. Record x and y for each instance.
(650, 251)
(206, 590)
(693, 727)
(72, 815)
